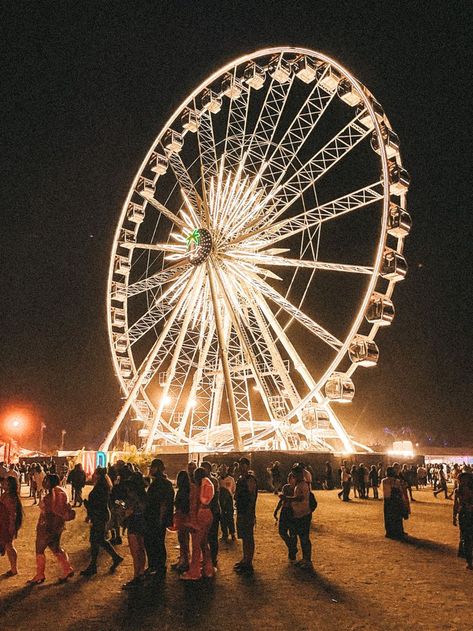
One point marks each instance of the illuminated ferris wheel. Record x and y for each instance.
(255, 259)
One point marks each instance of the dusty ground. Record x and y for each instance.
(362, 580)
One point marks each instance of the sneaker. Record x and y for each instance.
(189, 577)
(116, 563)
(135, 582)
(89, 571)
(246, 570)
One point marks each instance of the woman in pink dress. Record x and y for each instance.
(11, 517)
(55, 511)
(201, 519)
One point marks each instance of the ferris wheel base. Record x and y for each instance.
(258, 436)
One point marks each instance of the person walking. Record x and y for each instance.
(227, 491)
(181, 522)
(201, 519)
(158, 516)
(98, 514)
(395, 509)
(354, 480)
(361, 472)
(328, 476)
(442, 483)
(135, 503)
(286, 517)
(463, 515)
(374, 481)
(275, 477)
(246, 495)
(216, 512)
(302, 515)
(11, 518)
(76, 479)
(38, 478)
(345, 478)
(55, 510)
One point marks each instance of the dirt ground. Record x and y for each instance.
(361, 580)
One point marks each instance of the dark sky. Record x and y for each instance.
(86, 87)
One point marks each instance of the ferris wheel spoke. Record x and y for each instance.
(171, 273)
(197, 377)
(299, 131)
(293, 311)
(257, 342)
(198, 274)
(158, 247)
(184, 180)
(236, 125)
(265, 128)
(268, 348)
(159, 310)
(304, 372)
(148, 196)
(308, 174)
(234, 314)
(262, 259)
(207, 148)
(267, 235)
(180, 383)
(142, 372)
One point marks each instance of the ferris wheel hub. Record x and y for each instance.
(199, 245)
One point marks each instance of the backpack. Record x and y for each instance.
(312, 500)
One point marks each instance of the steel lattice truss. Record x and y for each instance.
(255, 259)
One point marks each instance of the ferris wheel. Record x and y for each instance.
(255, 259)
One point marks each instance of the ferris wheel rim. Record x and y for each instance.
(365, 97)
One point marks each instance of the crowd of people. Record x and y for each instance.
(204, 501)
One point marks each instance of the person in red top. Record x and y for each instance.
(11, 517)
(55, 511)
(201, 518)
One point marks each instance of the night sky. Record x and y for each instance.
(86, 87)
